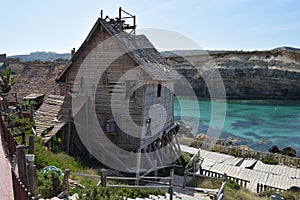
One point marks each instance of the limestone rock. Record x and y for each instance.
(289, 151)
(274, 149)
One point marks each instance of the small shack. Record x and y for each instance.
(36, 80)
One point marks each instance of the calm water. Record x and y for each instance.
(258, 123)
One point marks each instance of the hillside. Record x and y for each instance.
(42, 56)
(272, 74)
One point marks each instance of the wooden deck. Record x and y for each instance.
(253, 170)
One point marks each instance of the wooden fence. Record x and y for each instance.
(241, 182)
(194, 165)
(261, 187)
(238, 151)
(103, 181)
(20, 190)
(10, 141)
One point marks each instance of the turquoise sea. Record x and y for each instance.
(258, 123)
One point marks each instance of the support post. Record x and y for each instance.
(103, 177)
(171, 184)
(31, 145)
(184, 179)
(69, 132)
(155, 169)
(138, 166)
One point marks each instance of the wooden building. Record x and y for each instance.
(129, 71)
(36, 80)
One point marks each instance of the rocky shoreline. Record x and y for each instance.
(185, 131)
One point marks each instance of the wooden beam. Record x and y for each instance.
(31, 144)
(156, 152)
(69, 132)
(148, 157)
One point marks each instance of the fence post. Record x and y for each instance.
(22, 164)
(31, 175)
(171, 184)
(65, 184)
(103, 177)
(31, 145)
(23, 136)
(31, 112)
(8, 119)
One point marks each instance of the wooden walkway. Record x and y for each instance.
(253, 170)
(6, 185)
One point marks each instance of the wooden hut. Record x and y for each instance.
(36, 80)
(129, 71)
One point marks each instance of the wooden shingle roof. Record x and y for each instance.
(140, 49)
(47, 116)
(37, 78)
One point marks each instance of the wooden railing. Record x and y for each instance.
(103, 179)
(20, 190)
(261, 187)
(237, 151)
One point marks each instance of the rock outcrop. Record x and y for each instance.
(288, 151)
(273, 74)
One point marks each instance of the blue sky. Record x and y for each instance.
(60, 25)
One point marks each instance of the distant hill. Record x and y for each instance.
(50, 56)
(211, 52)
(43, 56)
(287, 49)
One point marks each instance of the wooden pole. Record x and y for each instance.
(31, 145)
(65, 184)
(155, 168)
(138, 166)
(184, 180)
(103, 177)
(171, 184)
(31, 174)
(23, 136)
(22, 164)
(31, 111)
(8, 118)
(21, 112)
(69, 132)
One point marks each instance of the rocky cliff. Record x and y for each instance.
(273, 74)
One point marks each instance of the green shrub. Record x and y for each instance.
(183, 160)
(107, 193)
(287, 195)
(232, 185)
(49, 184)
(270, 160)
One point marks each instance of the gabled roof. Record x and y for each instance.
(47, 116)
(37, 78)
(139, 48)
